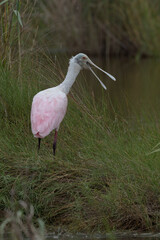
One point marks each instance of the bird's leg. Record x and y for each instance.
(54, 143)
(39, 143)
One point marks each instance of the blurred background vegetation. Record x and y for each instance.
(102, 27)
(105, 27)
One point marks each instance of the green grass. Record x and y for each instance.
(101, 179)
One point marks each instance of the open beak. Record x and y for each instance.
(109, 75)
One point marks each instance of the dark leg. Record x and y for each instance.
(54, 143)
(39, 143)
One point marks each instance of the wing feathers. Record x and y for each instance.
(48, 110)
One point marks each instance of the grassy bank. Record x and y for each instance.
(102, 177)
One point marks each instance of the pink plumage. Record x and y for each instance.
(48, 110)
(49, 106)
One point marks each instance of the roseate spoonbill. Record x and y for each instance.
(49, 106)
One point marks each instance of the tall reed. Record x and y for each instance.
(10, 20)
(15, 18)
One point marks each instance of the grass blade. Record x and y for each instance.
(155, 151)
(3, 2)
(18, 16)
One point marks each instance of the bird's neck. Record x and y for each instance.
(70, 78)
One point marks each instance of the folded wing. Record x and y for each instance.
(48, 111)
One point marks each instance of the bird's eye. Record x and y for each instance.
(84, 58)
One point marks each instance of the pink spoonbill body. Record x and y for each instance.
(49, 106)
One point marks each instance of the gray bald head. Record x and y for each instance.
(84, 62)
(82, 59)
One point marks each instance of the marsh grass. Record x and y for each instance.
(102, 177)
(16, 34)
(102, 27)
(94, 27)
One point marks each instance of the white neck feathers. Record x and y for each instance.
(73, 70)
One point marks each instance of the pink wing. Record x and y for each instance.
(48, 110)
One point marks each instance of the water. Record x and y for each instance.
(137, 87)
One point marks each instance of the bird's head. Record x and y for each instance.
(84, 62)
(82, 59)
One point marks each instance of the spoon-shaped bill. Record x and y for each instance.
(109, 75)
(97, 78)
